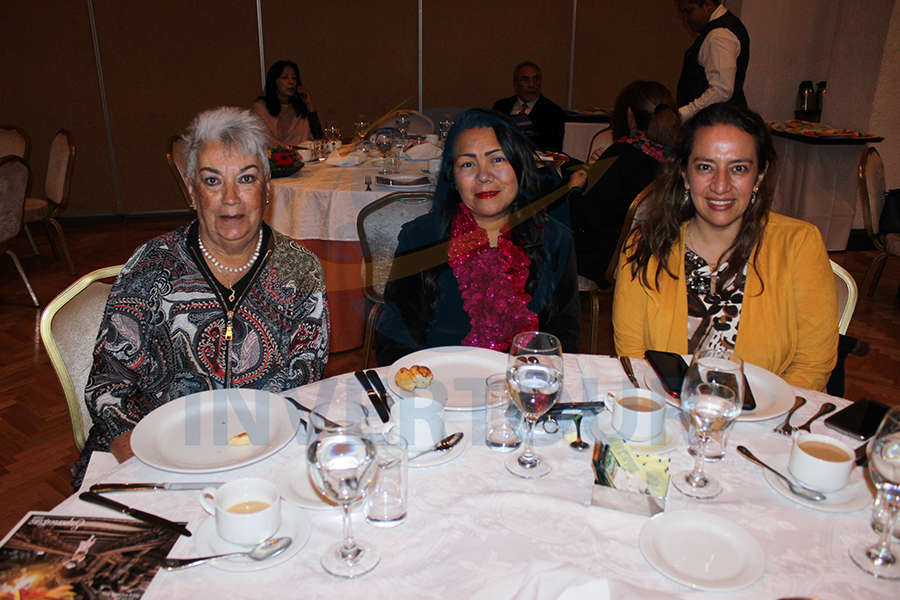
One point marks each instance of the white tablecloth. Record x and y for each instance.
(577, 137)
(322, 202)
(817, 183)
(474, 527)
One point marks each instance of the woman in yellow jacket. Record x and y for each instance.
(711, 267)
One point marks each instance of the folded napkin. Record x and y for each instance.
(425, 151)
(336, 159)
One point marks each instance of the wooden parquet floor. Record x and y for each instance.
(36, 448)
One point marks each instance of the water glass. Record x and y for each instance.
(387, 498)
(502, 418)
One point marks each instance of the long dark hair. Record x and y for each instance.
(660, 229)
(654, 112)
(520, 153)
(270, 93)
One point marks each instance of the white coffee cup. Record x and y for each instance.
(820, 462)
(638, 414)
(420, 420)
(247, 511)
(305, 154)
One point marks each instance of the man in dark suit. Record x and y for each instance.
(716, 63)
(538, 117)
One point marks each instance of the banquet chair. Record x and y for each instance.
(69, 327)
(56, 193)
(14, 141)
(14, 174)
(602, 140)
(419, 123)
(594, 291)
(378, 226)
(871, 190)
(176, 156)
(847, 294)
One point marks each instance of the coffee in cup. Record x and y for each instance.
(639, 415)
(247, 511)
(820, 462)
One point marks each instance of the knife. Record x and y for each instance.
(133, 512)
(379, 387)
(373, 396)
(328, 422)
(626, 365)
(169, 486)
(576, 407)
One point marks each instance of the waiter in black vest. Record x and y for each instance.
(716, 63)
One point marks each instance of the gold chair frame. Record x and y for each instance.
(74, 398)
(847, 296)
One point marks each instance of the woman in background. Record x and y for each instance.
(487, 262)
(645, 127)
(712, 268)
(287, 107)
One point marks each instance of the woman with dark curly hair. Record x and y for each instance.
(487, 262)
(286, 107)
(712, 267)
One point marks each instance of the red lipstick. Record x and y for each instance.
(486, 195)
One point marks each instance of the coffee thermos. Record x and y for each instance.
(810, 101)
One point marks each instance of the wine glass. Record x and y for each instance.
(342, 461)
(444, 128)
(884, 466)
(534, 375)
(711, 400)
(384, 142)
(360, 125)
(403, 123)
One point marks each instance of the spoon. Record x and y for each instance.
(823, 410)
(445, 444)
(579, 444)
(796, 488)
(261, 551)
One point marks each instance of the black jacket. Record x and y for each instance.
(416, 317)
(548, 122)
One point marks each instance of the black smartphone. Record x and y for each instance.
(860, 419)
(670, 368)
(727, 379)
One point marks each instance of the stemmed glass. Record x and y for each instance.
(384, 142)
(403, 123)
(342, 461)
(884, 465)
(534, 375)
(444, 127)
(711, 400)
(360, 125)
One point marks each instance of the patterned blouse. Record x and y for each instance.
(714, 307)
(165, 332)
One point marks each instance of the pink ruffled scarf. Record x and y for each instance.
(492, 283)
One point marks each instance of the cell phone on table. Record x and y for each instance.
(670, 368)
(727, 379)
(859, 420)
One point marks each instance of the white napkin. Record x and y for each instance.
(335, 159)
(425, 151)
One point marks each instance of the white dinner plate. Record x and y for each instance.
(774, 397)
(405, 181)
(190, 434)
(672, 438)
(702, 550)
(852, 497)
(459, 373)
(294, 524)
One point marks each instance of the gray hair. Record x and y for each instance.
(234, 127)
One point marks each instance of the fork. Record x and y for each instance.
(823, 410)
(368, 183)
(785, 428)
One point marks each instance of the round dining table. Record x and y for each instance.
(473, 530)
(318, 206)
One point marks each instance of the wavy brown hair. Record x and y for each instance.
(660, 229)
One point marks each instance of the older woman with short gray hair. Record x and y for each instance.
(224, 301)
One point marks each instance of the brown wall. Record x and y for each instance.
(164, 61)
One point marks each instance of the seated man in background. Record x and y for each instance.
(537, 116)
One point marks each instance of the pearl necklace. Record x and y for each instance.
(225, 268)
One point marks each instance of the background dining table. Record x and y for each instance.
(318, 206)
(474, 530)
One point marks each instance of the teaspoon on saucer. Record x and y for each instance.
(445, 444)
(796, 488)
(261, 551)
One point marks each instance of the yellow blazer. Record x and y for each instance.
(789, 315)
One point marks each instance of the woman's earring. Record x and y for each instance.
(753, 196)
(685, 198)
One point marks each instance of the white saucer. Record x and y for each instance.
(294, 523)
(702, 550)
(433, 459)
(850, 498)
(601, 427)
(297, 488)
